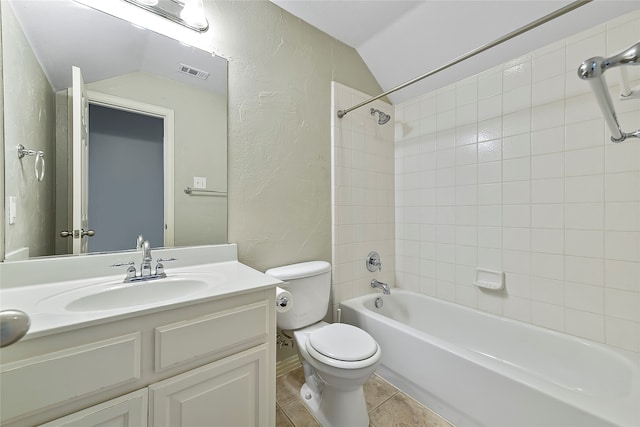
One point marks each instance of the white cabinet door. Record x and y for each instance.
(129, 410)
(233, 391)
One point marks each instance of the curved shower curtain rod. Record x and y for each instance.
(530, 26)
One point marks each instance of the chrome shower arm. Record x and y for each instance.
(593, 70)
(596, 66)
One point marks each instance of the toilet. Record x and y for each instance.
(337, 358)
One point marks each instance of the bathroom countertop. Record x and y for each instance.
(47, 317)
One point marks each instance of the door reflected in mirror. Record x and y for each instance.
(128, 70)
(135, 143)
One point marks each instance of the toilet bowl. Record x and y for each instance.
(337, 358)
(333, 386)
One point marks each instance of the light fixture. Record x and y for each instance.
(193, 13)
(189, 13)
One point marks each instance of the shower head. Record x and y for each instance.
(382, 117)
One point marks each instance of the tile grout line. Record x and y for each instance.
(299, 400)
(285, 415)
(383, 402)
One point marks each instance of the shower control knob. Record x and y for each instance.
(373, 262)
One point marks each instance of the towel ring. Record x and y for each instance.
(39, 155)
(39, 159)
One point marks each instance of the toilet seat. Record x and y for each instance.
(342, 345)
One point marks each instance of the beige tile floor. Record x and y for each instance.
(387, 406)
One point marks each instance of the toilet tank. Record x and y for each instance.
(310, 287)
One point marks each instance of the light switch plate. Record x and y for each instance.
(200, 182)
(13, 206)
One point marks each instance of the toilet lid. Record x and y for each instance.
(343, 342)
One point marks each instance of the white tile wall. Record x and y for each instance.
(363, 189)
(512, 169)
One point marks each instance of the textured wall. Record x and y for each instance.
(29, 116)
(280, 73)
(513, 170)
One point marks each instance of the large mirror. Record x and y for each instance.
(157, 134)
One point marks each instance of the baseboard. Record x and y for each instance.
(287, 365)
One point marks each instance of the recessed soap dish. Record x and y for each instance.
(489, 279)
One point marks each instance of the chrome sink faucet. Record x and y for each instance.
(145, 266)
(385, 288)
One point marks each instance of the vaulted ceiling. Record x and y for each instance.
(402, 39)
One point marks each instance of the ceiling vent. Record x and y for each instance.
(194, 72)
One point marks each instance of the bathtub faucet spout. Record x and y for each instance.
(385, 288)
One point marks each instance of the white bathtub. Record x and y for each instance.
(476, 369)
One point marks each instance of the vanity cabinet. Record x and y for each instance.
(224, 393)
(210, 363)
(129, 410)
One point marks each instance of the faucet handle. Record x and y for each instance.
(160, 266)
(131, 270)
(122, 264)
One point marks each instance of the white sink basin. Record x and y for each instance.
(115, 295)
(140, 293)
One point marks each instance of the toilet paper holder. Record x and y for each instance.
(282, 301)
